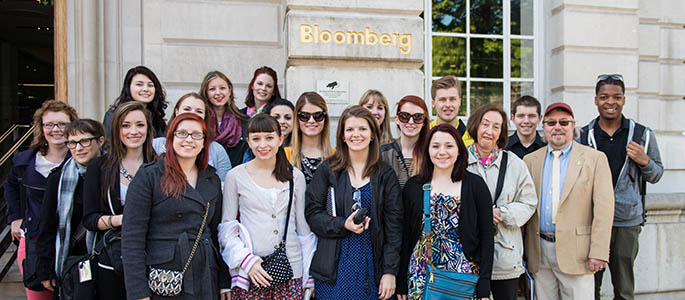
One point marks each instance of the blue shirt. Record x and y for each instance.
(546, 225)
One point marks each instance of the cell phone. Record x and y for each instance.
(360, 216)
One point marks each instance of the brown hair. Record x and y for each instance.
(477, 116)
(459, 170)
(526, 101)
(340, 160)
(263, 122)
(204, 100)
(39, 142)
(325, 141)
(117, 149)
(446, 82)
(374, 95)
(249, 99)
(231, 106)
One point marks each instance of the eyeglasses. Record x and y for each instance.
(405, 116)
(85, 142)
(60, 125)
(304, 116)
(182, 134)
(562, 122)
(618, 77)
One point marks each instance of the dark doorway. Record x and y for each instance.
(26, 59)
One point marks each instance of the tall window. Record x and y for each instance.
(488, 44)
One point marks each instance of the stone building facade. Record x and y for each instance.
(552, 49)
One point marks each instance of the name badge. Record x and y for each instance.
(84, 271)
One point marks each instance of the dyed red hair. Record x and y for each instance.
(417, 160)
(174, 180)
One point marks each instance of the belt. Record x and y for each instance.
(548, 237)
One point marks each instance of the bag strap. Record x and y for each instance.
(287, 217)
(500, 176)
(197, 238)
(78, 234)
(427, 221)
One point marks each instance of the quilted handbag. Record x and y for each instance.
(169, 283)
(276, 264)
(443, 285)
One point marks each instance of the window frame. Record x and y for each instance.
(506, 38)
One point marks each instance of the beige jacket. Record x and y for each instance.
(585, 213)
(517, 203)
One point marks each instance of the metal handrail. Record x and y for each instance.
(8, 132)
(16, 145)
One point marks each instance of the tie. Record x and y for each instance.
(556, 170)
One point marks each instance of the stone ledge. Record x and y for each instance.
(665, 207)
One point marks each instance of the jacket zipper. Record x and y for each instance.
(451, 279)
(461, 296)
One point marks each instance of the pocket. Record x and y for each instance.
(626, 207)
(159, 252)
(583, 242)
(507, 256)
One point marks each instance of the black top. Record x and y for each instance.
(476, 232)
(613, 146)
(96, 206)
(49, 223)
(515, 145)
(385, 226)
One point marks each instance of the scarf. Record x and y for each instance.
(230, 131)
(69, 177)
(485, 162)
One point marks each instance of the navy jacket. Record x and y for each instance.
(34, 183)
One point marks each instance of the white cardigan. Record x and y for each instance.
(262, 214)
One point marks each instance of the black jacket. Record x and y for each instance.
(476, 232)
(386, 234)
(96, 205)
(159, 231)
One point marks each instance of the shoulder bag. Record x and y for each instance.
(276, 264)
(169, 283)
(442, 285)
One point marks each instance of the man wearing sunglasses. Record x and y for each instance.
(526, 115)
(634, 159)
(446, 94)
(567, 238)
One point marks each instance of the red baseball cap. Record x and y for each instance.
(559, 105)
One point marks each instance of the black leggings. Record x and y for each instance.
(504, 289)
(109, 285)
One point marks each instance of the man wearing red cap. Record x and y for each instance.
(567, 239)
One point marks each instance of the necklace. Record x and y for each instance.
(124, 172)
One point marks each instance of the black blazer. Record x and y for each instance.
(95, 205)
(386, 234)
(159, 231)
(476, 232)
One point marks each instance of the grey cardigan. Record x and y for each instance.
(159, 231)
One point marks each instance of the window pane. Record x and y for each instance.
(522, 58)
(519, 89)
(486, 58)
(449, 56)
(522, 17)
(486, 16)
(486, 92)
(449, 16)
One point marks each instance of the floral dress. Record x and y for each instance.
(447, 250)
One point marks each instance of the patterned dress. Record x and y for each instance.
(447, 250)
(355, 278)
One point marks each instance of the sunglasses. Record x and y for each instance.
(318, 116)
(618, 77)
(404, 117)
(562, 122)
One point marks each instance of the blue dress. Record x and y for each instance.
(355, 268)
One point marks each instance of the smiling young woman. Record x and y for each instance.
(377, 104)
(262, 90)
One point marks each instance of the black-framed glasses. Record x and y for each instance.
(404, 117)
(85, 142)
(60, 125)
(182, 134)
(618, 77)
(318, 116)
(562, 122)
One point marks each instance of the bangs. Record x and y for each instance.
(263, 123)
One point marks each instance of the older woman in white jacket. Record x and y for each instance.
(260, 191)
(513, 205)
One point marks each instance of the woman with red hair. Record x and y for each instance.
(170, 203)
(402, 154)
(262, 90)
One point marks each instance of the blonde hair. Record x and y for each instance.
(324, 141)
(374, 95)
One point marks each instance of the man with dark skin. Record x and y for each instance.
(633, 155)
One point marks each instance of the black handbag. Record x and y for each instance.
(70, 285)
(29, 266)
(276, 264)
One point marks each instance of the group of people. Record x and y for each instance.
(255, 203)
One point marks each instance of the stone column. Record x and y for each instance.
(359, 45)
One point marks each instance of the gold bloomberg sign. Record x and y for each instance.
(313, 34)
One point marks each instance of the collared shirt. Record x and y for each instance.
(461, 127)
(519, 149)
(614, 146)
(546, 225)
